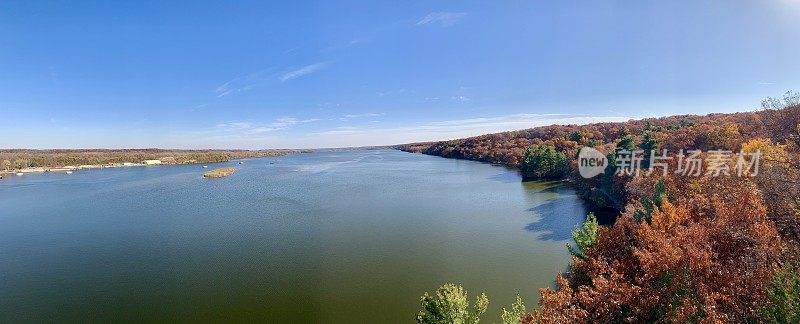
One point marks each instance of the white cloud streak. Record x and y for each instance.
(252, 128)
(240, 84)
(442, 130)
(250, 81)
(250, 135)
(445, 19)
(354, 116)
(306, 70)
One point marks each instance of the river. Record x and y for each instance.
(333, 237)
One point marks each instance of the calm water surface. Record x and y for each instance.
(333, 237)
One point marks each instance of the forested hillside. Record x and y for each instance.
(776, 122)
(709, 246)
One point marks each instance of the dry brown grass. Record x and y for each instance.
(219, 173)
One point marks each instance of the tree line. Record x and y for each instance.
(23, 158)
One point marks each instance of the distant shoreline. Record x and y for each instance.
(68, 168)
(21, 162)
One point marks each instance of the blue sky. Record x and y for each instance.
(199, 74)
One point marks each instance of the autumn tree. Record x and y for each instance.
(790, 98)
(21, 163)
(706, 255)
(723, 137)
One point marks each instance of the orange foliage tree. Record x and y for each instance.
(707, 257)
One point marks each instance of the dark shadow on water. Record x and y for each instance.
(558, 218)
(539, 187)
(506, 177)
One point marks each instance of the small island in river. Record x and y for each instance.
(219, 173)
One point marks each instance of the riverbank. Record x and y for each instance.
(70, 168)
(22, 161)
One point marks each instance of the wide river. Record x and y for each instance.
(325, 237)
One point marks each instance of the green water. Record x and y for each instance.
(327, 237)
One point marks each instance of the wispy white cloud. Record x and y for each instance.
(448, 129)
(234, 126)
(226, 89)
(445, 19)
(342, 130)
(501, 121)
(249, 135)
(253, 128)
(306, 70)
(241, 83)
(391, 92)
(250, 81)
(766, 83)
(354, 116)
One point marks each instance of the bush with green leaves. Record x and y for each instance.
(514, 316)
(585, 237)
(784, 297)
(450, 305)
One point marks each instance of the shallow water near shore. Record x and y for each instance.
(333, 237)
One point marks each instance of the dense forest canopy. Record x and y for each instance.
(710, 246)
